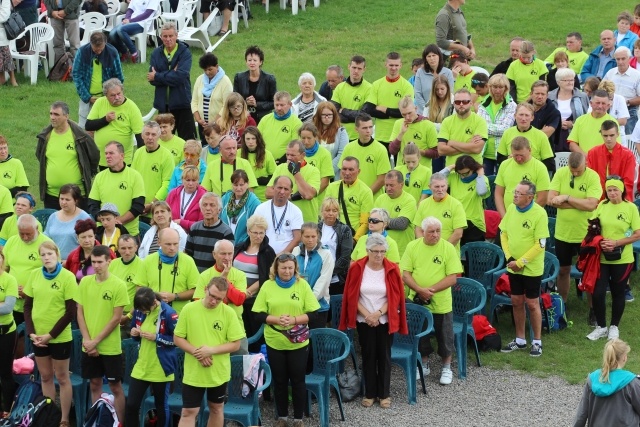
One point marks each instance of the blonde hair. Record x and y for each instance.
(190, 172)
(257, 221)
(614, 351)
(193, 145)
(405, 102)
(527, 47)
(608, 86)
(51, 246)
(330, 202)
(226, 119)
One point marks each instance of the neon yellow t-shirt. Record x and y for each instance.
(219, 182)
(466, 194)
(267, 169)
(211, 327)
(422, 133)
(430, 264)
(449, 211)
(6, 201)
(586, 131)
(462, 130)
(236, 277)
(464, 82)
(156, 169)
(524, 75)
(360, 250)
(8, 288)
(358, 199)
(164, 280)
(525, 229)
(571, 224)
(388, 95)
(49, 299)
(10, 227)
(403, 206)
(119, 188)
(98, 301)
(133, 274)
(148, 367)
(374, 161)
(351, 98)
(576, 59)
(540, 147)
(311, 175)
(175, 146)
(12, 173)
(128, 123)
(511, 173)
(62, 162)
(294, 301)
(618, 221)
(322, 161)
(95, 87)
(418, 180)
(278, 133)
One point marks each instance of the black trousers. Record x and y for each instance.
(375, 345)
(289, 366)
(185, 125)
(137, 389)
(7, 384)
(615, 276)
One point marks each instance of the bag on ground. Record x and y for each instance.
(487, 336)
(26, 395)
(61, 71)
(45, 413)
(556, 314)
(102, 413)
(349, 383)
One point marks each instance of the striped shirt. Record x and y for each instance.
(201, 240)
(248, 264)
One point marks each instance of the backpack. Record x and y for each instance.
(487, 337)
(556, 313)
(42, 413)
(61, 71)
(25, 397)
(102, 413)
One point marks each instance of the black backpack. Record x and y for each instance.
(61, 71)
(46, 413)
(27, 394)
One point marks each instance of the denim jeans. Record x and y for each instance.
(120, 37)
(631, 122)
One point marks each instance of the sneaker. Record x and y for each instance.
(591, 318)
(597, 333)
(536, 350)
(446, 377)
(628, 296)
(613, 332)
(135, 57)
(425, 371)
(513, 346)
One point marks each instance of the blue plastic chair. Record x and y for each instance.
(42, 215)
(335, 302)
(175, 398)
(21, 329)
(245, 410)
(404, 350)
(490, 202)
(330, 346)
(79, 385)
(143, 227)
(256, 337)
(551, 241)
(469, 297)
(551, 211)
(483, 259)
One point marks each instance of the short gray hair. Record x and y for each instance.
(27, 220)
(220, 242)
(306, 76)
(61, 105)
(152, 124)
(565, 74)
(110, 84)
(430, 221)
(211, 195)
(376, 240)
(623, 49)
(437, 177)
(170, 25)
(384, 214)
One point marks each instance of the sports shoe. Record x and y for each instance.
(513, 346)
(628, 296)
(446, 377)
(135, 57)
(425, 371)
(597, 333)
(536, 350)
(613, 332)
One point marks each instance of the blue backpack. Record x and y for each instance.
(26, 395)
(556, 314)
(102, 413)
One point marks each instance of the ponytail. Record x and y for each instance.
(614, 351)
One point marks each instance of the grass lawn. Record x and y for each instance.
(331, 34)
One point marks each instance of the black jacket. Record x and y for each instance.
(264, 92)
(344, 247)
(266, 256)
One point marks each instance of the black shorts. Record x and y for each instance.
(192, 396)
(566, 251)
(102, 366)
(57, 351)
(207, 5)
(529, 286)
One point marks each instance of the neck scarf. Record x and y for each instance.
(526, 208)
(214, 151)
(309, 152)
(52, 275)
(287, 284)
(470, 178)
(166, 259)
(210, 84)
(283, 117)
(233, 208)
(384, 233)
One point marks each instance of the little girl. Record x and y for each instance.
(416, 176)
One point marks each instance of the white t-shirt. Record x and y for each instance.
(282, 221)
(373, 292)
(565, 108)
(330, 240)
(139, 7)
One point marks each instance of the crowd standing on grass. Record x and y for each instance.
(240, 205)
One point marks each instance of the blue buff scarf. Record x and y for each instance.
(166, 259)
(310, 152)
(214, 150)
(52, 275)
(210, 84)
(526, 208)
(469, 178)
(283, 117)
(384, 233)
(287, 284)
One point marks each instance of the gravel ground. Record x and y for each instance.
(488, 397)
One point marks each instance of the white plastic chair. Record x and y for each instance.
(40, 35)
(150, 115)
(114, 10)
(562, 159)
(235, 16)
(183, 14)
(91, 22)
(283, 5)
(199, 36)
(141, 39)
(481, 70)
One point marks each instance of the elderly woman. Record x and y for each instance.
(337, 238)
(238, 205)
(60, 225)
(235, 117)
(25, 204)
(168, 139)
(373, 302)
(79, 260)
(254, 257)
(305, 104)
(316, 155)
(12, 173)
(209, 93)
(137, 19)
(525, 71)
(160, 218)
(192, 157)
(184, 200)
(281, 313)
(620, 224)
(570, 101)
(331, 134)
(433, 66)
(255, 151)
(469, 186)
(256, 87)
(378, 222)
(499, 111)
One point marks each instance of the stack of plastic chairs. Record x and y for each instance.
(469, 298)
(244, 409)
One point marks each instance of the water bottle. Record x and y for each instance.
(392, 161)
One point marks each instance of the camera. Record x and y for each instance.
(420, 301)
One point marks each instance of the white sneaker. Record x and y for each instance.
(598, 333)
(425, 371)
(613, 332)
(446, 377)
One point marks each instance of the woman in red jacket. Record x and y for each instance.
(373, 302)
(184, 200)
(79, 260)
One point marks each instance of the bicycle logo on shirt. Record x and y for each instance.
(217, 326)
(123, 185)
(107, 296)
(32, 257)
(295, 296)
(7, 175)
(154, 168)
(55, 286)
(437, 259)
(622, 217)
(526, 224)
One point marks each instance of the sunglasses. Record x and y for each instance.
(286, 257)
(572, 182)
(407, 179)
(374, 221)
(462, 102)
(478, 83)
(616, 177)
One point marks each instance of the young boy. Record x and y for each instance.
(635, 27)
(623, 36)
(480, 84)
(168, 140)
(415, 65)
(462, 71)
(109, 232)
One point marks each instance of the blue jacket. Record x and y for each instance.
(168, 76)
(590, 67)
(627, 41)
(165, 347)
(240, 232)
(83, 68)
(176, 177)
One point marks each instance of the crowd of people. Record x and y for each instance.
(240, 205)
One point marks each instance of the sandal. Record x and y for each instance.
(222, 33)
(367, 403)
(65, 424)
(385, 403)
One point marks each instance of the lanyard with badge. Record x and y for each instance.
(174, 272)
(184, 206)
(222, 163)
(278, 228)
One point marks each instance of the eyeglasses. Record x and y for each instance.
(462, 101)
(517, 193)
(326, 116)
(374, 221)
(572, 182)
(286, 257)
(465, 174)
(567, 81)
(237, 107)
(257, 233)
(407, 179)
(380, 252)
(214, 297)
